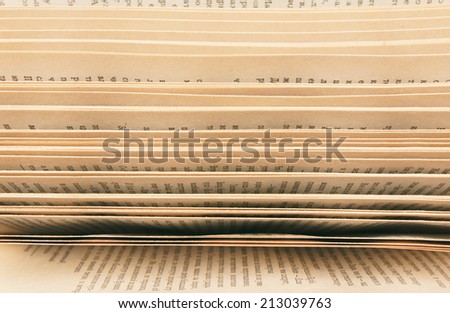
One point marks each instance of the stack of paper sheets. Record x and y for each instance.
(324, 128)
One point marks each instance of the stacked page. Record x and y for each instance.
(214, 132)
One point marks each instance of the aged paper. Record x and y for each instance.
(192, 183)
(234, 164)
(144, 99)
(393, 47)
(225, 89)
(220, 269)
(373, 219)
(220, 36)
(171, 118)
(82, 66)
(189, 226)
(334, 201)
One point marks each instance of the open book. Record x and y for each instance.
(224, 146)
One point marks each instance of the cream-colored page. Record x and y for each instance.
(220, 36)
(244, 5)
(171, 118)
(96, 163)
(228, 183)
(401, 10)
(228, 212)
(414, 277)
(129, 99)
(75, 142)
(220, 269)
(295, 134)
(416, 246)
(347, 143)
(97, 138)
(225, 89)
(356, 69)
(333, 201)
(248, 243)
(113, 154)
(193, 142)
(83, 23)
(391, 47)
(389, 239)
(234, 242)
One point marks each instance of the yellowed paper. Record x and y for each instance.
(152, 264)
